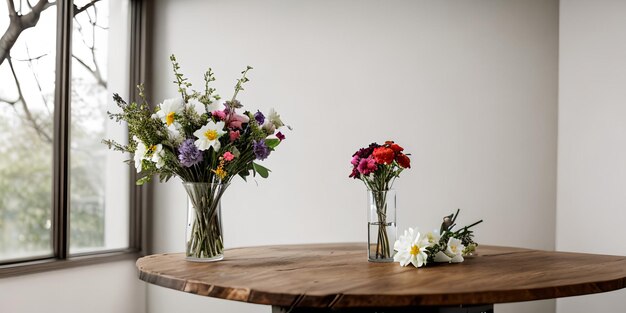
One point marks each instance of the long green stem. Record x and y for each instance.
(205, 238)
(383, 250)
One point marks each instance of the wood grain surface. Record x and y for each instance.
(339, 276)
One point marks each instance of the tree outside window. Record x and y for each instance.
(99, 182)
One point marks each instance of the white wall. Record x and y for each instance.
(468, 87)
(104, 288)
(592, 142)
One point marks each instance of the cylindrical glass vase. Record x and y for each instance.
(204, 236)
(381, 225)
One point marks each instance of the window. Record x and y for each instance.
(63, 194)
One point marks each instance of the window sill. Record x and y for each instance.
(51, 264)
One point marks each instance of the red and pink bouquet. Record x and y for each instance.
(379, 165)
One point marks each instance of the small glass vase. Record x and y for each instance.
(381, 224)
(204, 236)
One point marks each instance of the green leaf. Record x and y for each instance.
(261, 170)
(236, 152)
(143, 180)
(272, 143)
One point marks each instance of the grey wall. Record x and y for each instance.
(592, 145)
(468, 87)
(104, 288)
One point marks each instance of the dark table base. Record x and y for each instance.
(488, 308)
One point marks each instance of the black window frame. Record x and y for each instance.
(139, 196)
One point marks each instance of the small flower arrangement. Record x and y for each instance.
(444, 246)
(197, 136)
(378, 166)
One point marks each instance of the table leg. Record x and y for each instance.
(487, 308)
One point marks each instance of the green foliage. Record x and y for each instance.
(447, 231)
(261, 170)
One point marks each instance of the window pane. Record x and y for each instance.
(99, 181)
(26, 111)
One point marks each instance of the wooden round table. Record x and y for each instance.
(338, 278)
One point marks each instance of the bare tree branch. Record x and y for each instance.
(11, 7)
(29, 116)
(9, 102)
(32, 69)
(77, 10)
(18, 23)
(95, 72)
(30, 59)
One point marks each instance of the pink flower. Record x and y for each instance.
(355, 160)
(228, 156)
(234, 135)
(219, 114)
(367, 166)
(235, 120)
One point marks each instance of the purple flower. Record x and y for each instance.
(261, 151)
(259, 117)
(189, 154)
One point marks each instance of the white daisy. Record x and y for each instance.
(157, 155)
(209, 135)
(169, 109)
(140, 153)
(411, 248)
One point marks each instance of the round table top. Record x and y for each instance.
(339, 276)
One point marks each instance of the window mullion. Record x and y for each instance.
(61, 175)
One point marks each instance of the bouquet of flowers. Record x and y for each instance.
(204, 140)
(446, 245)
(378, 166)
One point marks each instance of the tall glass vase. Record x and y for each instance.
(381, 223)
(204, 236)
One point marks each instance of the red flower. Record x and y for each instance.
(393, 146)
(403, 160)
(383, 155)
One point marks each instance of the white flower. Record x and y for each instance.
(197, 106)
(209, 135)
(268, 127)
(140, 153)
(411, 248)
(169, 109)
(455, 250)
(216, 105)
(173, 134)
(274, 119)
(157, 155)
(433, 237)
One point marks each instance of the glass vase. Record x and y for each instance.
(204, 236)
(381, 224)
